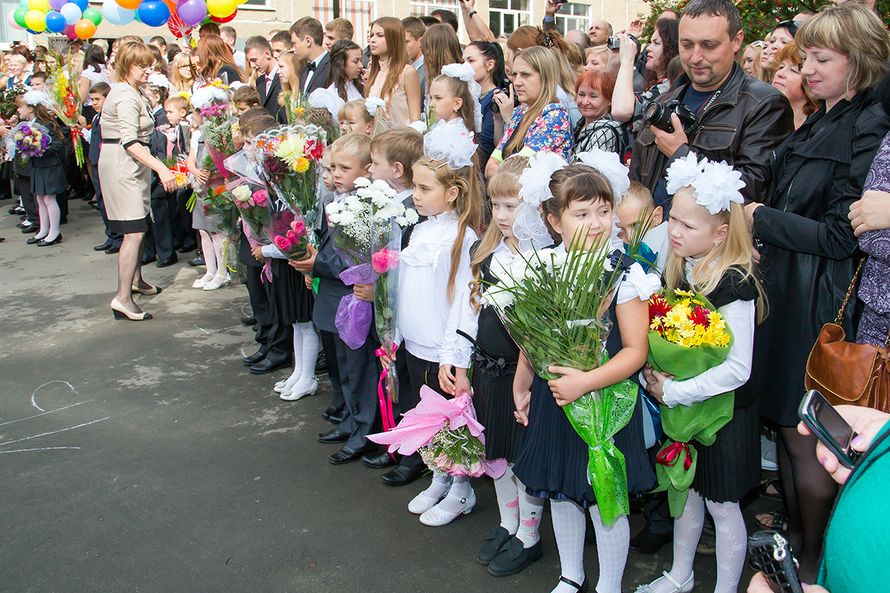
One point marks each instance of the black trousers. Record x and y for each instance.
(23, 188)
(359, 371)
(114, 238)
(183, 233)
(417, 373)
(328, 340)
(259, 303)
(162, 207)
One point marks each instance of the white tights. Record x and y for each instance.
(612, 545)
(732, 540)
(50, 216)
(520, 512)
(212, 246)
(306, 345)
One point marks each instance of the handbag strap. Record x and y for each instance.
(843, 309)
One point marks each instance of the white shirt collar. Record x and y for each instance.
(404, 194)
(320, 57)
(446, 216)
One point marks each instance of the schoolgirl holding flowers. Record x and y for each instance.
(47, 173)
(711, 254)
(515, 543)
(578, 201)
(434, 299)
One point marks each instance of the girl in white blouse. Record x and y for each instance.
(711, 253)
(434, 299)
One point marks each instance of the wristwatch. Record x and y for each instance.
(471, 14)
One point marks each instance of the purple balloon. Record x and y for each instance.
(57, 4)
(192, 12)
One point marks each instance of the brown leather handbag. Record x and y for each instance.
(847, 372)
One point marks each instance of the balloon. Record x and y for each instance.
(93, 15)
(116, 15)
(71, 12)
(81, 4)
(55, 22)
(192, 12)
(35, 20)
(224, 19)
(39, 5)
(129, 4)
(57, 4)
(153, 13)
(84, 29)
(221, 8)
(19, 16)
(69, 32)
(24, 4)
(10, 18)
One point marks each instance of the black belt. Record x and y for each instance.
(495, 366)
(118, 141)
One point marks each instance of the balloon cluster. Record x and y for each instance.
(77, 19)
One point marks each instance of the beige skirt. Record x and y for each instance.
(126, 184)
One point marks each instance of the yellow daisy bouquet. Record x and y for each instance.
(687, 336)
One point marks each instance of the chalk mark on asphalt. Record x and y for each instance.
(43, 434)
(44, 413)
(215, 331)
(40, 449)
(34, 393)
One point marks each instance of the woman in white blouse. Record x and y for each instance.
(347, 70)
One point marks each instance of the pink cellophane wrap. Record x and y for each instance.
(434, 412)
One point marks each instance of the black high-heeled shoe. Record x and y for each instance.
(45, 243)
(121, 312)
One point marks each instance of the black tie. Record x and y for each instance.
(311, 66)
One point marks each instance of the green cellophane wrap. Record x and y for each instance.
(677, 459)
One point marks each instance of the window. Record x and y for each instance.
(505, 16)
(262, 3)
(425, 7)
(360, 12)
(572, 16)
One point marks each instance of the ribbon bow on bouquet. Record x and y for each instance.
(450, 431)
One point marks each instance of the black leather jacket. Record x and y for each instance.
(743, 126)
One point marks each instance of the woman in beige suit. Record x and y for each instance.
(125, 166)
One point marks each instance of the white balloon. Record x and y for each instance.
(116, 14)
(71, 12)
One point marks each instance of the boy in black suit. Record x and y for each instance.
(268, 85)
(307, 35)
(98, 92)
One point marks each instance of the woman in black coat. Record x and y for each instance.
(807, 246)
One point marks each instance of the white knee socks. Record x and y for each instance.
(520, 512)
(209, 255)
(508, 501)
(221, 265)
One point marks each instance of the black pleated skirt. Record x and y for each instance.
(293, 301)
(50, 181)
(730, 468)
(493, 400)
(553, 462)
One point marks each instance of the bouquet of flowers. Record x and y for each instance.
(253, 206)
(219, 206)
(446, 433)
(385, 264)
(359, 223)
(63, 90)
(180, 171)
(554, 304)
(295, 106)
(28, 140)
(212, 100)
(289, 234)
(286, 159)
(7, 100)
(687, 336)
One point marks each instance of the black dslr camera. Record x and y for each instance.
(659, 115)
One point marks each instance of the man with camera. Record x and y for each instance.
(713, 109)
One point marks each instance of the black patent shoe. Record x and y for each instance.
(513, 557)
(492, 544)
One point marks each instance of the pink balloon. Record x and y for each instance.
(69, 32)
(10, 19)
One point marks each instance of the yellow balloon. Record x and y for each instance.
(221, 8)
(35, 20)
(41, 5)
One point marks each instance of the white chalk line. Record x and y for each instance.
(40, 449)
(215, 331)
(44, 413)
(34, 393)
(54, 432)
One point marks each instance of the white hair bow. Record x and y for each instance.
(715, 186)
(466, 73)
(450, 141)
(34, 98)
(610, 166)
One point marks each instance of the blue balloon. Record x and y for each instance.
(82, 4)
(115, 14)
(55, 22)
(153, 13)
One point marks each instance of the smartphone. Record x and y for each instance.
(829, 427)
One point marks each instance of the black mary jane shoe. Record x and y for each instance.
(33, 241)
(45, 243)
(582, 588)
(492, 545)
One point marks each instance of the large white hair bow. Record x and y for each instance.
(450, 141)
(609, 165)
(715, 186)
(534, 189)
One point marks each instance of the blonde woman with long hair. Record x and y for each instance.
(541, 122)
(289, 68)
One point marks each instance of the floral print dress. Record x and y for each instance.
(551, 131)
